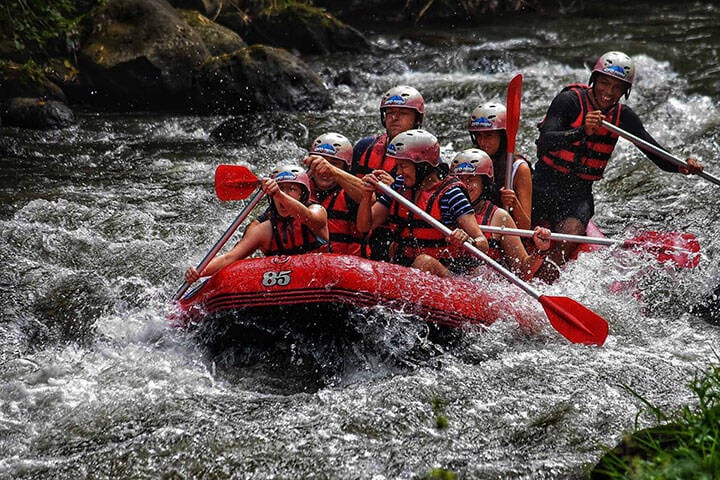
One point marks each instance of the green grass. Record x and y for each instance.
(685, 447)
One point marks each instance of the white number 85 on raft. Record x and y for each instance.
(281, 279)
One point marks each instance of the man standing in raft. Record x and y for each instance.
(420, 245)
(401, 108)
(574, 148)
(294, 223)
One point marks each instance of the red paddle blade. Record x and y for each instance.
(683, 249)
(574, 321)
(512, 118)
(234, 182)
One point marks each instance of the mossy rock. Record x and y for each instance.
(306, 29)
(27, 80)
(259, 78)
(218, 39)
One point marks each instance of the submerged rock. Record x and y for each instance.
(259, 78)
(68, 311)
(709, 309)
(254, 129)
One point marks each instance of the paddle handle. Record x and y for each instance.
(254, 200)
(656, 150)
(508, 171)
(562, 237)
(512, 122)
(467, 245)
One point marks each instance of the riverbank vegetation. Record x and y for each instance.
(43, 27)
(686, 445)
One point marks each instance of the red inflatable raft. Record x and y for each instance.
(320, 288)
(312, 286)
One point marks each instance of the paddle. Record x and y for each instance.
(232, 182)
(574, 321)
(656, 150)
(680, 248)
(512, 123)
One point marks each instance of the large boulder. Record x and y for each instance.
(140, 54)
(452, 12)
(27, 80)
(37, 113)
(259, 78)
(305, 29)
(217, 39)
(207, 8)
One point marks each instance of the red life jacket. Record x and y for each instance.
(374, 158)
(290, 237)
(484, 217)
(416, 236)
(344, 237)
(586, 160)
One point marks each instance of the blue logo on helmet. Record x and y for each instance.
(464, 167)
(395, 100)
(285, 177)
(391, 150)
(615, 71)
(325, 148)
(482, 122)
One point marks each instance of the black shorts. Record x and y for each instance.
(558, 196)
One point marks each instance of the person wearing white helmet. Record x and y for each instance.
(294, 224)
(474, 168)
(418, 244)
(573, 148)
(339, 192)
(401, 108)
(487, 128)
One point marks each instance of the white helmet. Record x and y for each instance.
(293, 174)
(489, 116)
(416, 145)
(617, 65)
(472, 161)
(333, 146)
(403, 96)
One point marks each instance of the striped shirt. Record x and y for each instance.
(453, 204)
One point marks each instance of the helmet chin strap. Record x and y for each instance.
(475, 202)
(593, 100)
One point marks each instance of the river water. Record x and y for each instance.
(100, 220)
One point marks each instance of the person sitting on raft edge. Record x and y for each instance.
(294, 224)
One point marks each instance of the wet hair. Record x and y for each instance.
(489, 188)
(442, 170)
(500, 156)
(422, 171)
